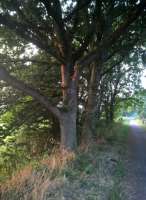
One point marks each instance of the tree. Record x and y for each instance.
(75, 34)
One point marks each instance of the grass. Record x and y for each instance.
(93, 173)
(114, 132)
(141, 124)
(87, 175)
(117, 135)
(116, 192)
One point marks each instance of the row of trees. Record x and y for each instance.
(95, 47)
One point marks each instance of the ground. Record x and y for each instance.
(88, 176)
(108, 170)
(135, 179)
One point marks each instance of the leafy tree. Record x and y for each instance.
(72, 35)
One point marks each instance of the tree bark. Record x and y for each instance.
(27, 89)
(68, 131)
(89, 125)
(67, 117)
(111, 112)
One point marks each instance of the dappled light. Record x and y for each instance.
(134, 122)
(72, 93)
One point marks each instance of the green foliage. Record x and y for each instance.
(88, 174)
(120, 170)
(34, 43)
(18, 149)
(116, 192)
(82, 165)
(113, 132)
(13, 155)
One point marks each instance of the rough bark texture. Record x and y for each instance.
(69, 114)
(67, 118)
(68, 131)
(60, 47)
(89, 126)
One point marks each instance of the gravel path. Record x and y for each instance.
(135, 183)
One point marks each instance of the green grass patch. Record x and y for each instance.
(116, 192)
(114, 132)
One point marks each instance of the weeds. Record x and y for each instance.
(93, 173)
(116, 193)
(113, 133)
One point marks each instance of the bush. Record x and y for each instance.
(114, 132)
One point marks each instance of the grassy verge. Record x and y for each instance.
(93, 173)
(117, 135)
(120, 142)
(114, 133)
(116, 192)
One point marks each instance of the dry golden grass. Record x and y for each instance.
(58, 160)
(17, 179)
(55, 161)
(86, 174)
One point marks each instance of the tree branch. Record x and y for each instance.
(130, 18)
(54, 10)
(78, 7)
(91, 31)
(23, 60)
(124, 52)
(25, 32)
(113, 66)
(20, 85)
(114, 37)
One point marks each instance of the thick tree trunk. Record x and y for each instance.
(68, 118)
(89, 125)
(68, 131)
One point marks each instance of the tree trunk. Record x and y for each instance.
(68, 118)
(107, 113)
(68, 131)
(89, 128)
(111, 113)
(89, 125)
(112, 108)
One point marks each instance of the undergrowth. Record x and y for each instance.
(93, 173)
(113, 132)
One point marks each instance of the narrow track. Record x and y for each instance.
(135, 183)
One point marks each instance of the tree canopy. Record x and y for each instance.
(67, 62)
